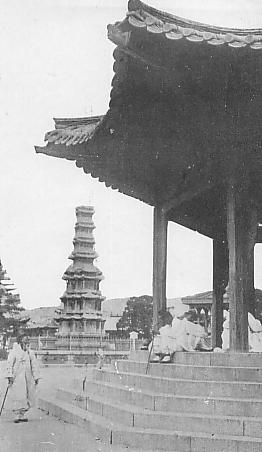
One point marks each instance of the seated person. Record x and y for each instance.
(164, 341)
(182, 335)
(192, 335)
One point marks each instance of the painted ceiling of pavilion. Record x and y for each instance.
(185, 107)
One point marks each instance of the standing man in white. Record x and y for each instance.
(23, 376)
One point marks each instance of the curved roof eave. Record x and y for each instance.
(174, 27)
(69, 134)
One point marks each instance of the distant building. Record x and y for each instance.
(110, 326)
(203, 301)
(81, 320)
(202, 304)
(112, 311)
(41, 321)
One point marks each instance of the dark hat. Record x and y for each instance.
(191, 315)
(22, 338)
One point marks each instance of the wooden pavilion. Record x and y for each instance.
(183, 134)
(202, 304)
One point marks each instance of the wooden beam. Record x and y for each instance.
(159, 263)
(188, 221)
(178, 198)
(220, 281)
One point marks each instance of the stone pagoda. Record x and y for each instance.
(80, 321)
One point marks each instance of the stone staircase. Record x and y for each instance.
(202, 402)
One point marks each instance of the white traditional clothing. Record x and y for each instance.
(23, 369)
(190, 335)
(225, 332)
(164, 343)
(101, 358)
(181, 335)
(254, 334)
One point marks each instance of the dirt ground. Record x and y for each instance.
(45, 433)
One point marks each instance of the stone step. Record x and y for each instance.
(180, 386)
(155, 439)
(150, 400)
(219, 359)
(227, 359)
(73, 397)
(190, 372)
(133, 416)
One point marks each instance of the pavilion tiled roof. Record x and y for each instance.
(173, 27)
(185, 104)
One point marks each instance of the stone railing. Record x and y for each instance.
(77, 342)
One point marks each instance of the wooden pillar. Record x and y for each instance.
(220, 281)
(241, 232)
(159, 263)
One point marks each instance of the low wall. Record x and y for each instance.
(78, 344)
(76, 357)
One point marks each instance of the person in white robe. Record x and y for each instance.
(254, 333)
(225, 332)
(163, 342)
(181, 335)
(192, 336)
(23, 376)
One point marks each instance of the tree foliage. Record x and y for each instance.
(137, 316)
(10, 309)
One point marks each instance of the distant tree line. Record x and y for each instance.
(137, 316)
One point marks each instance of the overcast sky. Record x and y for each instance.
(56, 61)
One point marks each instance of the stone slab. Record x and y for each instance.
(219, 359)
(150, 438)
(180, 386)
(189, 372)
(178, 403)
(131, 415)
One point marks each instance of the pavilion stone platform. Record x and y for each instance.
(201, 402)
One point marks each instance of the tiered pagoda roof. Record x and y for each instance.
(84, 253)
(82, 298)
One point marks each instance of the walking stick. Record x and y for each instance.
(4, 399)
(150, 353)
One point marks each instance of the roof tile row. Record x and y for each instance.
(241, 38)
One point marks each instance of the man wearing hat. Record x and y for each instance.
(23, 376)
